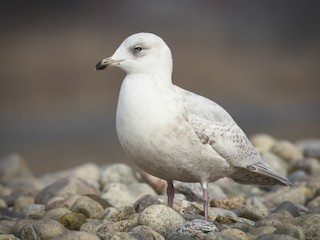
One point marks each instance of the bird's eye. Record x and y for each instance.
(137, 49)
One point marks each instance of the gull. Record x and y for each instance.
(173, 133)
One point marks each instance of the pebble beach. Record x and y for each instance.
(116, 201)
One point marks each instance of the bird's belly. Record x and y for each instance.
(171, 151)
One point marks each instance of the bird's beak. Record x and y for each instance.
(107, 62)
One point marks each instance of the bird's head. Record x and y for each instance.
(140, 53)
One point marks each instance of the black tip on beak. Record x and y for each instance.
(100, 66)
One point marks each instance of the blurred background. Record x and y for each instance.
(258, 59)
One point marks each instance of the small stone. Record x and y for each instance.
(276, 219)
(61, 202)
(287, 151)
(309, 165)
(288, 206)
(236, 232)
(260, 231)
(64, 188)
(243, 226)
(294, 195)
(195, 229)
(228, 203)
(118, 173)
(263, 142)
(88, 207)
(310, 224)
(275, 237)
(253, 209)
(193, 191)
(120, 195)
(57, 213)
(112, 227)
(21, 224)
(125, 236)
(73, 220)
(22, 202)
(123, 213)
(144, 202)
(161, 218)
(220, 236)
(192, 210)
(13, 167)
(147, 232)
(75, 235)
(6, 226)
(3, 203)
(6, 213)
(28, 232)
(34, 210)
(91, 225)
(47, 228)
(291, 230)
(8, 237)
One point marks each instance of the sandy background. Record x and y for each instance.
(258, 59)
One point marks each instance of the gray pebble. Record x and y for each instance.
(220, 236)
(253, 209)
(310, 224)
(28, 232)
(34, 210)
(193, 191)
(105, 229)
(120, 195)
(276, 219)
(56, 213)
(147, 232)
(118, 173)
(76, 235)
(123, 213)
(64, 188)
(6, 226)
(287, 151)
(73, 220)
(8, 237)
(161, 218)
(91, 225)
(309, 165)
(294, 195)
(88, 207)
(197, 229)
(291, 230)
(263, 142)
(275, 237)
(260, 231)
(288, 206)
(47, 228)
(144, 202)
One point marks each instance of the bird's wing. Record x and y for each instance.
(214, 125)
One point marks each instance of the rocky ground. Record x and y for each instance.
(117, 202)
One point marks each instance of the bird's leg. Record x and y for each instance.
(170, 193)
(205, 199)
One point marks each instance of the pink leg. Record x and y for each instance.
(205, 200)
(170, 193)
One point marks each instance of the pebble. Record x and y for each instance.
(287, 151)
(291, 230)
(70, 204)
(260, 231)
(228, 203)
(253, 209)
(73, 220)
(88, 207)
(263, 142)
(195, 229)
(120, 194)
(144, 202)
(64, 188)
(76, 235)
(147, 232)
(161, 218)
(118, 173)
